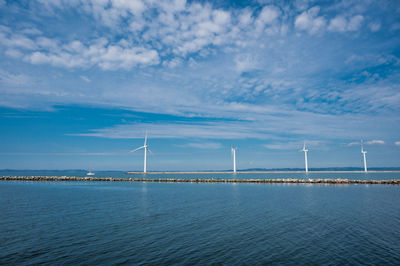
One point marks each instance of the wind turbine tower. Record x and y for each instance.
(146, 149)
(364, 156)
(233, 150)
(305, 156)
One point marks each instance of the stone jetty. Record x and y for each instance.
(208, 180)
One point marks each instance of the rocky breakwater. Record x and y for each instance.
(210, 180)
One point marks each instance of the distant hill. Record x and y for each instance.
(324, 169)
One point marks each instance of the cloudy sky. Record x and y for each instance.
(81, 81)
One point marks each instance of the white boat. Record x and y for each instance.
(90, 173)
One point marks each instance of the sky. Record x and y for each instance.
(81, 81)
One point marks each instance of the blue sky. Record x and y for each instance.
(81, 81)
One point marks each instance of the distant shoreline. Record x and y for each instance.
(208, 180)
(260, 172)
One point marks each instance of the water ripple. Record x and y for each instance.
(139, 223)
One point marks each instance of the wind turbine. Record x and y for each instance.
(233, 150)
(305, 156)
(365, 157)
(146, 149)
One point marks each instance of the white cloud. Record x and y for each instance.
(372, 60)
(310, 21)
(375, 142)
(341, 24)
(205, 130)
(370, 142)
(115, 57)
(179, 28)
(374, 26)
(302, 5)
(175, 62)
(397, 143)
(84, 78)
(204, 145)
(47, 43)
(135, 7)
(355, 23)
(286, 85)
(19, 41)
(354, 144)
(267, 16)
(184, 28)
(221, 17)
(31, 31)
(245, 62)
(282, 146)
(338, 23)
(263, 125)
(292, 145)
(161, 30)
(14, 53)
(245, 18)
(99, 52)
(12, 80)
(64, 153)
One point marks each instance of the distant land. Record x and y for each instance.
(322, 169)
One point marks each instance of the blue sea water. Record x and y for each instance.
(168, 223)
(122, 174)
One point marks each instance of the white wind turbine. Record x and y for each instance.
(305, 156)
(146, 149)
(233, 150)
(364, 156)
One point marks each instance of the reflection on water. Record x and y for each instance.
(144, 199)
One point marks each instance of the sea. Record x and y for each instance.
(389, 173)
(145, 223)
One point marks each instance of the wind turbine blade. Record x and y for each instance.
(233, 150)
(137, 149)
(145, 139)
(149, 151)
